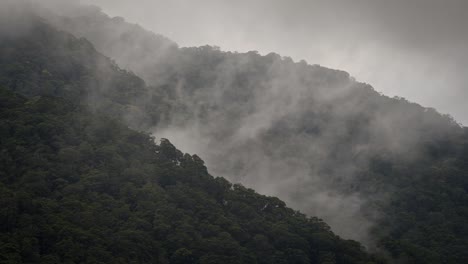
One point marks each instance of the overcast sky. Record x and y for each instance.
(417, 49)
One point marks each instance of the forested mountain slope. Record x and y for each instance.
(382, 170)
(79, 186)
(36, 59)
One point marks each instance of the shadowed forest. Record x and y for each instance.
(289, 162)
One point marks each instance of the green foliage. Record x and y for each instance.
(82, 188)
(425, 219)
(45, 62)
(78, 186)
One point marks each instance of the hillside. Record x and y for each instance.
(78, 186)
(381, 170)
(82, 188)
(384, 171)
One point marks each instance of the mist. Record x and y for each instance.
(413, 49)
(285, 127)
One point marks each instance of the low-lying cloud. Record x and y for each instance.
(415, 49)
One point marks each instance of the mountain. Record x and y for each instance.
(77, 185)
(384, 171)
(381, 170)
(82, 188)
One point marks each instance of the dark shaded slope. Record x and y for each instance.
(39, 60)
(82, 188)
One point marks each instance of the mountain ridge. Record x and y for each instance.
(336, 145)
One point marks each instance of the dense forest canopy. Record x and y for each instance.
(384, 171)
(78, 187)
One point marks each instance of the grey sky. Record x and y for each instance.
(416, 49)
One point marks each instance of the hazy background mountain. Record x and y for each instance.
(400, 47)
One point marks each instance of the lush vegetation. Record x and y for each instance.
(82, 188)
(407, 162)
(40, 60)
(424, 221)
(77, 185)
